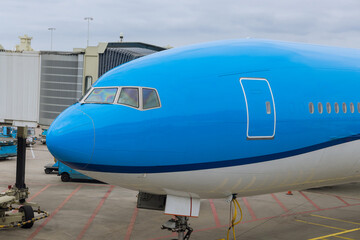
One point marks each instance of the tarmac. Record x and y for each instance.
(90, 210)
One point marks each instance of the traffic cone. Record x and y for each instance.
(289, 193)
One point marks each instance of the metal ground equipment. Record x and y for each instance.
(15, 211)
(178, 224)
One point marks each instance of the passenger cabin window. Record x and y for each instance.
(320, 107)
(102, 95)
(129, 96)
(336, 106)
(311, 108)
(150, 98)
(344, 108)
(352, 108)
(328, 107)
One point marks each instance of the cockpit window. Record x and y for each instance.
(85, 94)
(129, 96)
(102, 95)
(150, 98)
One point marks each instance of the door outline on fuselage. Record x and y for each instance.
(247, 110)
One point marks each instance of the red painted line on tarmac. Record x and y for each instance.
(53, 213)
(333, 195)
(280, 203)
(213, 209)
(39, 192)
(251, 211)
(305, 212)
(310, 201)
(91, 219)
(265, 218)
(277, 216)
(131, 224)
(345, 202)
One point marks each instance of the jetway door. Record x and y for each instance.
(260, 107)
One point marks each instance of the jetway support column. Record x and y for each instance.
(20, 162)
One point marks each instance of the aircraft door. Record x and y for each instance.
(260, 107)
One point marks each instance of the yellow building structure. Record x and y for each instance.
(25, 44)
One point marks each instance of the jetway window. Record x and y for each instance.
(311, 108)
(129, 96)
(320, 107)
(150, 98)
(102, 95)
(358, 107)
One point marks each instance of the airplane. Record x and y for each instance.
(218, 120)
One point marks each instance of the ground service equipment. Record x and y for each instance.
(15, 197)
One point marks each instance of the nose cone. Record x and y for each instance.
(71, 138)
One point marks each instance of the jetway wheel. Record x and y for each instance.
(65, 177)
(29, 215)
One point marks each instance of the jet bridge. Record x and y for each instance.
(19, 107)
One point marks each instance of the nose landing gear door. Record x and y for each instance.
(260, 108)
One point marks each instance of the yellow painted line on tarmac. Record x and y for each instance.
(334, 219)
(344, 238)
(335, 234)
(321, 225)
(325, 237)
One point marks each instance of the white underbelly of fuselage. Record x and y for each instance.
(329, 166)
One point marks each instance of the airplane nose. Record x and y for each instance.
(71, 138)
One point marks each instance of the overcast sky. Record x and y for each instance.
(180, 22)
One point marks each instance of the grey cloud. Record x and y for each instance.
(164, 22)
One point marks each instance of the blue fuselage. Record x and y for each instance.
(209, 116)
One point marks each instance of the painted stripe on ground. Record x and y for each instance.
(213, 209)
(310, 201)
(131, 224)
(38, 193)
(251, 211)
(87, 225)
(53, 213)
(280, 203)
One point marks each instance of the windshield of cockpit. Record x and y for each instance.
(141, 98)
(102, 95)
